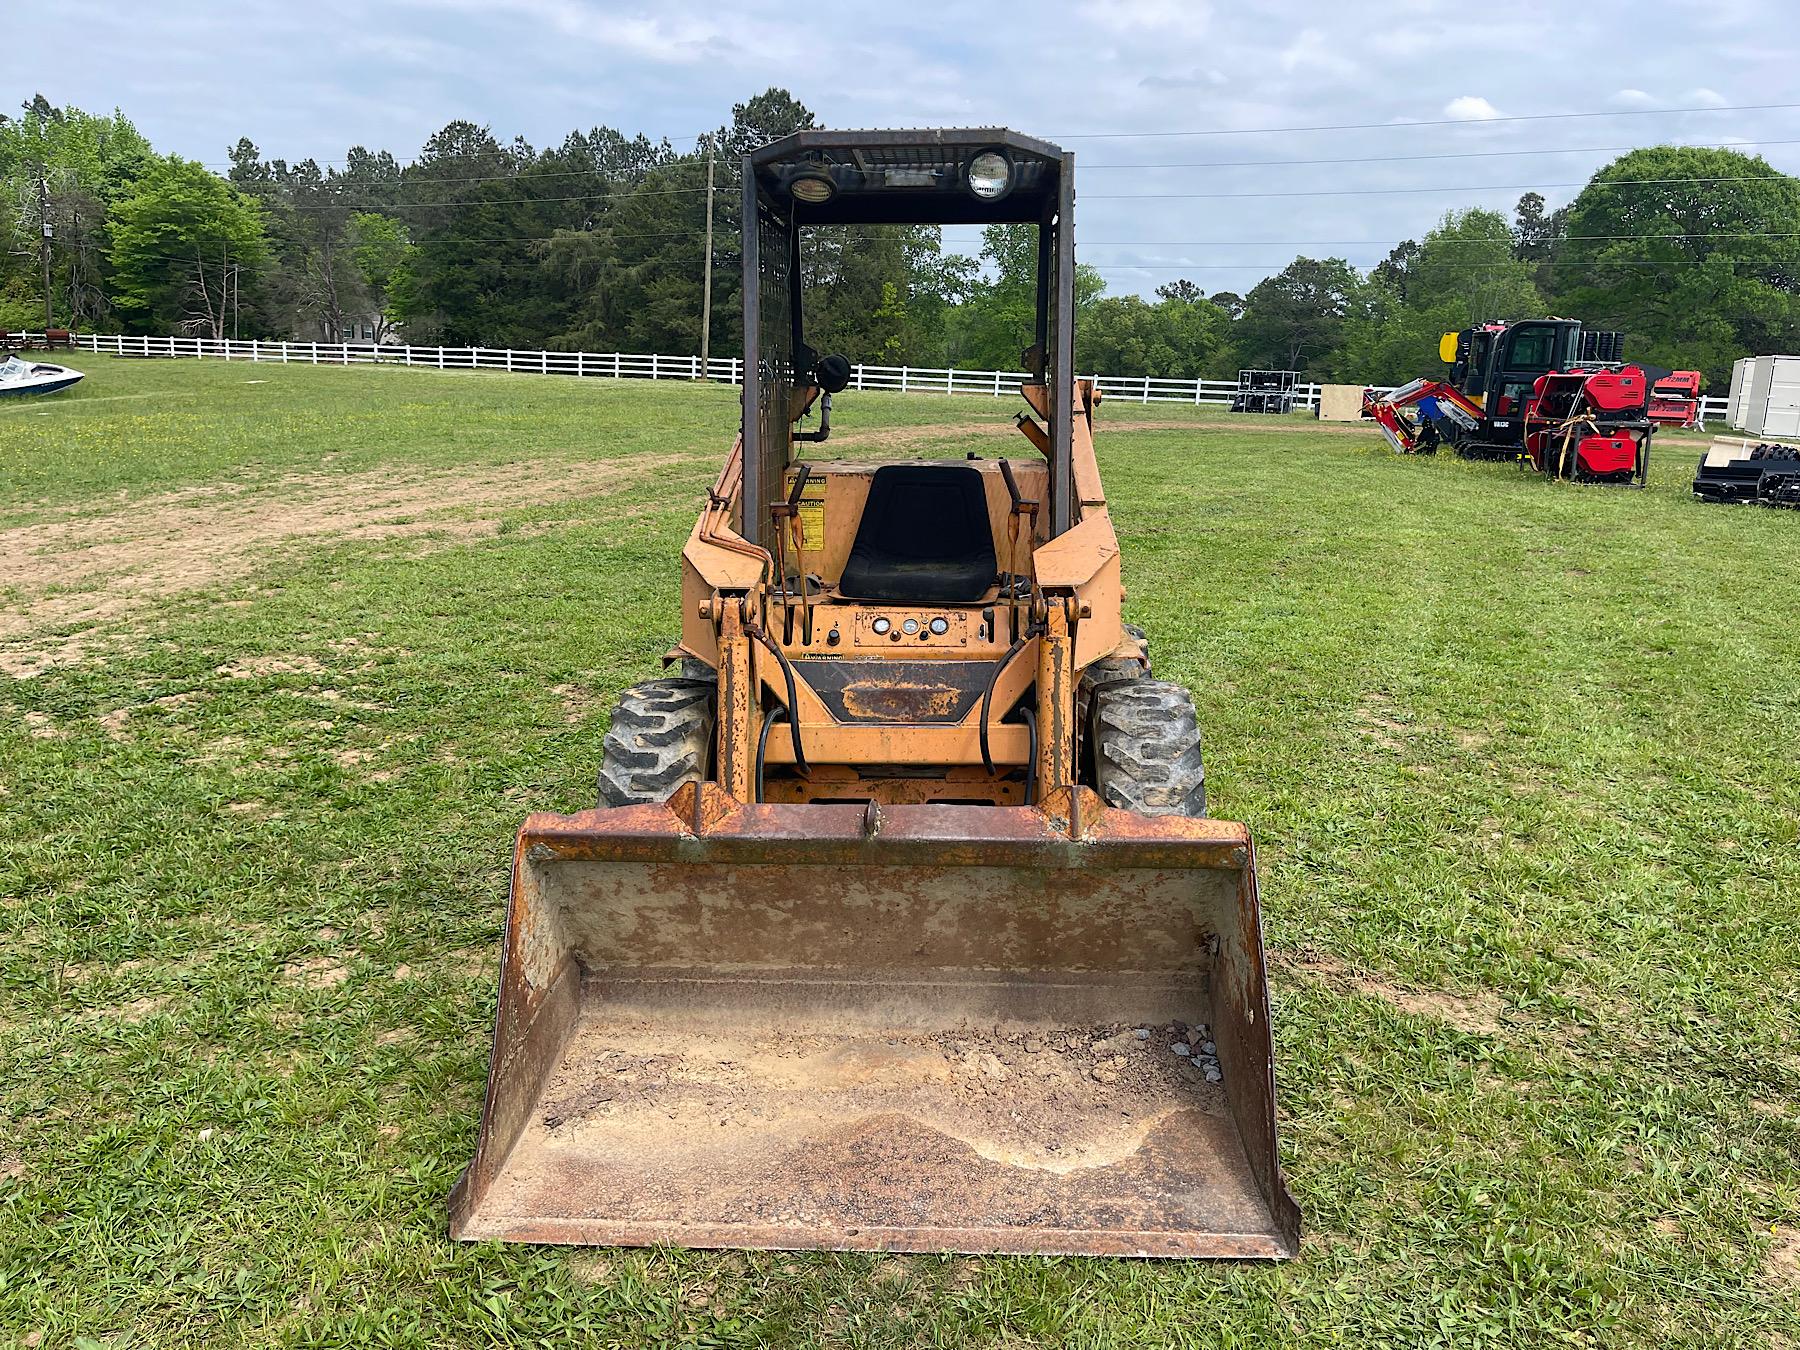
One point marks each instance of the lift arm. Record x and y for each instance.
(1434, 399)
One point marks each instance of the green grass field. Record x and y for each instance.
(287, 653)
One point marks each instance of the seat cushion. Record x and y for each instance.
(924, 537)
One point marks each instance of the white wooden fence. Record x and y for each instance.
(643, 366)
(653, 366)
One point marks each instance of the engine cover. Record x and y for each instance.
(1603, 456)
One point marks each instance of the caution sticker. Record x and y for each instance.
(812, 514)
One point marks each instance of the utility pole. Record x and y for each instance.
(44, 232)
(706, 284)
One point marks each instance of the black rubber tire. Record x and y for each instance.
(661, 737)
(1113, 669)
(1145, 739)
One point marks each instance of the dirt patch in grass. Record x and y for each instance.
(78, 572)
(1781, 1267)
(578, 702)
(140, 1009)
(1477, 1012)
(256, 667)
(40, 726)
(1375, 719)
(316, 972)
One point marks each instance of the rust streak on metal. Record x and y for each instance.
(898, 702)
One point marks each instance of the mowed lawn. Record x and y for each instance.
(287, 653)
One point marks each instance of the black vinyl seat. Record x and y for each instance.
(924, 537)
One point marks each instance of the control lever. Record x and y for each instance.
(786, 516)
(1026, 509)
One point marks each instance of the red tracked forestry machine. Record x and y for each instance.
(900, 924)
(1546, 391)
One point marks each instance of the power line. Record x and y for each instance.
(952, 247)
(1771, 177)
(495, 201)
(530, 174)
(1468, 187)
(523, 174)
(1455, 267)
(1407, 159)
(1439, 122)
(1268, 131)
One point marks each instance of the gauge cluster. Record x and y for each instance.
(884, 628)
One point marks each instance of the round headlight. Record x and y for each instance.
(812, 185)
(880, 625)
(990, 175)
(940, 626)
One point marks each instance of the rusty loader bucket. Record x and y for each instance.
(909, 1028)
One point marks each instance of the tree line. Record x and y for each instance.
(598, 244)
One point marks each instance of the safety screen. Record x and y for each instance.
(775, 376)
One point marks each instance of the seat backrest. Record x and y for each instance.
(924, 537)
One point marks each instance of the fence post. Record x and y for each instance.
(996, 384)
(655, 373)
(859, 378)
(903, 374)
(617, 368)
(580, 364)
(950, 380)
(543, 363)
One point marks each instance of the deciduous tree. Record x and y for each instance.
(181, 243)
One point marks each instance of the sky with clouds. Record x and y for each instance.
(1426, 92)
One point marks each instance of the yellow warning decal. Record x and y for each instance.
(812, 513)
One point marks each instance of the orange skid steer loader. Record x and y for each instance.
(900, 925)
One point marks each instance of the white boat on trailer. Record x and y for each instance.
(18, 376)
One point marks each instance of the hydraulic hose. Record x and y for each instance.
(762, 745)
(987, 699)
(801, 767)
(1030, 720)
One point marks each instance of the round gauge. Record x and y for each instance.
(910, 626)
(940, 626)
(881, 625)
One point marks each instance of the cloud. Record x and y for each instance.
(1312, 50)
(1149, 18)
(1633, 98)
(312, 80)
(1471, 108)
(1193, 79)
(670, 39)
